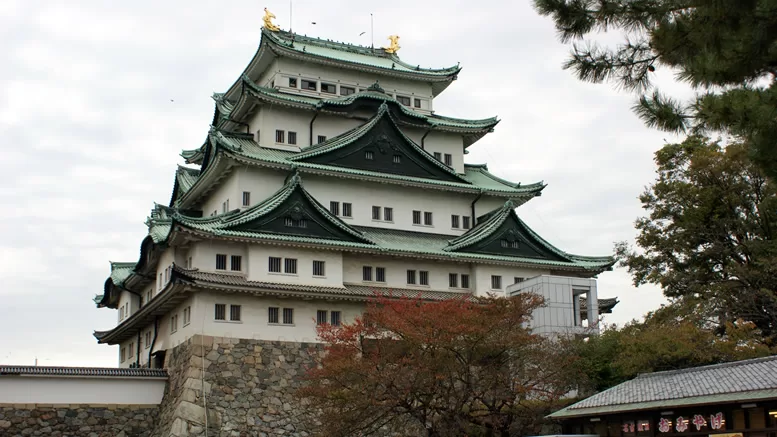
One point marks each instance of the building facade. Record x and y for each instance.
(327, 178)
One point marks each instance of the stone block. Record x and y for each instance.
(190, 412)
(197, 385)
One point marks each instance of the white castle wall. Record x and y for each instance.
(80, 390)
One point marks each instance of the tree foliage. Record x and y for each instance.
(710, 234)
(455, 367)
(726, 49)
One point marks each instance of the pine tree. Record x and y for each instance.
(726, 49)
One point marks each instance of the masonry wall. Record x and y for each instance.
(77, 420)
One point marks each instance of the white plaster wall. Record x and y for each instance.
(557, 316)
(80, 390)
(203, 254)
(260, 182)
(254, 315)
(442, 142)
(258, 259)
(170, 339)
(165, 261)
(396, 272)
(404, 200)
(483, 273)
(127, 298)
(226, 189)
(268, 119)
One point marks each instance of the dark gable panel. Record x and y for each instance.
(384, 142)
(518, 241)
(297, 216)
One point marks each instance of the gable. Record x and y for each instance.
(296, 216)
(511, 238)
(383, 148)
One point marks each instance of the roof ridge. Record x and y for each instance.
(708, 367)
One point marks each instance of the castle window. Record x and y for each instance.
(380, 274)
(347, 210)
(411, 277)
(496, 282)
(187, 315)
(367, 273)
(257, 135)
(236, 263)
(221, 261)
(292, 137)
(149, 295)
(280, 136)
(455, 221)
(417, 103)
(328, 88)
(388, 214)
(453, 280)
(403, 100)
(272, 314)
(246, 198)
(220, 311)
(335, 318)
(319, 268)
(464, 281)
(123, 354)
(416, 217)
(376, 213)
(321, 138)
(288, 316)
(189, 262)
(292, 82)
(437, 156)
(290, 266)
(131, 349)
(148, 339)
(397, 159)
(234, 313)
(423, 277)
(465, 222)
(309, 85)
(368, 155)
(346, 90)
(510, 244)
(517, 280)
(428, 218)
(334, 208)
(174, 324)
(321, 317)
(448, 158)
(121, 313)
(275, 264)
(295, 223)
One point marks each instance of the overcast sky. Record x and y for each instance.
(97, 99)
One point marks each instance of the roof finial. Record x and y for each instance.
(394, 47)
(376, 87)
(268, 24)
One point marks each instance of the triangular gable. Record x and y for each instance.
(501, 232)
(379, 145)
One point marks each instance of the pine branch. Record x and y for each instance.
(663, 113)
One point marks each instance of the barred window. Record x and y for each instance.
(288, 316)
(246, 198)
(221, 311)
(335, 318)
(272, 314)
(221, 261)
(416, 217)
(416, 103)
(292, 137)
(388, 214)
(187, 315)
(423, 277)
(290, 265)
(403, 100)
(321, 138)
(334, 207)
(411, 276)
(346, 90)
(453, 280)
(174, 323)
(319, 268)
(234, 313)
(236, 263)
(123, 355)
(448, 159)
(455, 221)
(329, 88)
(496, 282)
(397, 159)
(295, 223)
(309, 85)
(367, 273)
(275, 264)
(280, 136)
(517, 280)
(438, 156)
(465, 222)
(347, 210)
(428, 218)
(376, 213)
(369, 155)
(464, 281)
(321, 317)
(380, 274)
(510, 244)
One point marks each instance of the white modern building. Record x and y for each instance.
(325, 178)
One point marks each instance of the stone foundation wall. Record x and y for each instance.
(243, 387)
(77, 420)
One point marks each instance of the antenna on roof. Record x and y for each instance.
(372, 33)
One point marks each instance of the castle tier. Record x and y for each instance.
(325, 179)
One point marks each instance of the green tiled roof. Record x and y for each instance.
(193, 156)
(352, 54)
(185, 178)
(121, 271)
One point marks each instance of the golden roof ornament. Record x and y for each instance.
(394, 46)
(268, 24)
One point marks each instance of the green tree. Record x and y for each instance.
(726, 49)
(709, 238)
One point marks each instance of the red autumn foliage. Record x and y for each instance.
(457, 367)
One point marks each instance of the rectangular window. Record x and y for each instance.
(280, 136)
(397, 159)
(346, 90)
(290, 266)
(416, 217)
(173, 324)
(161, 281)
(295, 223)
(221, 311)
(321, 138)
(187, 315)
(309, 85)
(366, 273)
(335, 318)
(369, 155)
(465, 222)
(403, 100)
(321, 317)
(437, 156)
(347, 210)
(149, 295)
(246, 198)
(272, 314)
(131, 350)
(236, 263)
(224, 207)
(148, 339)
(464, 281)
(189, 262)
(455, 221)
(334, 208)
(388, 214)
(319, 268)
(517, 280)
(380, 274)
(328, 88)
(275, 264)
(428, 218)
(416, 103)
(292, 137)
(292, 82)
(288, 316)
(496, 282)
(376, 213)
(448, 159)
(221, 261)
(453, 280)
(123, 354)
(423, 277)
(121, 313)
(411, 276)
(234, 313)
